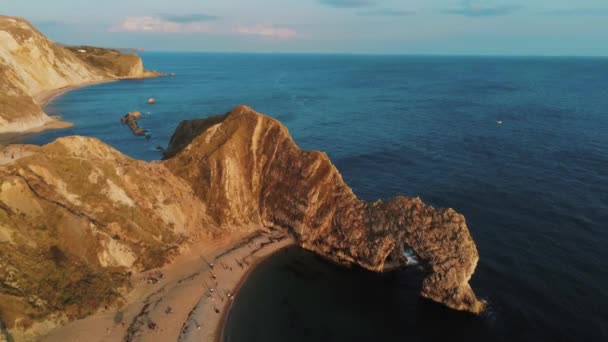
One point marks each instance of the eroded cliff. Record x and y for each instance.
(248, 169)
(31, 64)
(76, 216)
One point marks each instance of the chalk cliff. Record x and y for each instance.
(31, 65)
(76, 216)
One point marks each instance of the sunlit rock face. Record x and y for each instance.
(76, 216)
(249, 171)
(31, 64)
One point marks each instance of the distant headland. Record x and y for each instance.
(34, 70)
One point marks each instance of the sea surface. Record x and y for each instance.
(517, 145)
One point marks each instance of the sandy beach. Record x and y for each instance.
(43, 98)
(55, 122)
(187, 300)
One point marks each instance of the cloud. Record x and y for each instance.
(266, 31)
(386, 13)
(579, 12)
(348, 3)
(167, 23)
(188, 18)
(195, 24)
(481, 8)
(155, 24)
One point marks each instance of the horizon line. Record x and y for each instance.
(379, 54)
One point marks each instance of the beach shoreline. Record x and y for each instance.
(220, 335)
(186, 300)
(54, 122)
(45, 97)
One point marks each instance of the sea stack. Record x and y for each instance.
(130, 119)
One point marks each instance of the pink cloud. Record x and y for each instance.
(158, 25)
(267, 31)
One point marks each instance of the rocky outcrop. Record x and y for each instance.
(113, 62)
(187, 131)
(130, 119)
(77, 216)
(249, 170)
(32, 65)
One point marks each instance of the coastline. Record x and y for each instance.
(45, 97)
(55, 122)
(220, 336)
(261, 247)
(189, 303)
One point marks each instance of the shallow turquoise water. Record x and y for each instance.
(534, 189)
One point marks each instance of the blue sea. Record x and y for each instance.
(517, 145)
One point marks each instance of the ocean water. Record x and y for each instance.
(534, 188)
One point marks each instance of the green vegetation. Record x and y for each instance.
(5, 333)
(119, 317)
(111, 61)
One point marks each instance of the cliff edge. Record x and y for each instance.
(31, 65)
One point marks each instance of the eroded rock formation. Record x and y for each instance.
(131, 119)
(80, 215)
(249, 170)
(31, 65)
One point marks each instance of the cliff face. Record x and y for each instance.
(76, 215)
(31, 64)
(249, 170)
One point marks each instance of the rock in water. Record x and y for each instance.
(151, 100)
(76, 216)
(130, 119)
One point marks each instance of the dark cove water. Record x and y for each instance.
(534, 189)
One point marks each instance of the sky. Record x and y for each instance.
(445, 27)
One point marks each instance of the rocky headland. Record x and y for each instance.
(34, 68)
(78, 220)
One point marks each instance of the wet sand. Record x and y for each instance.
(188, 303)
